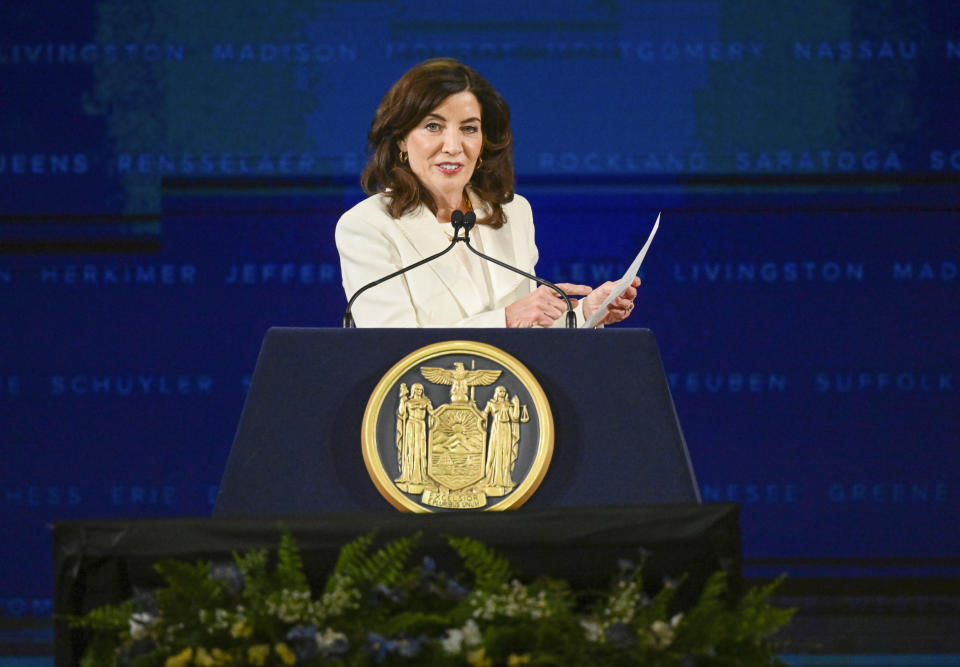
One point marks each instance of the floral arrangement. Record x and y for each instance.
(378, 608)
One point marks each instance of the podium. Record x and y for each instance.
(298, 451)
(620, 475)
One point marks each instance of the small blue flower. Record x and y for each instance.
(455, 591)
(229, 575)
(627, 569)
(622, 635)
(381, 592)
(429, 579)
(428, 565)
(303, 641)
(335, 645)
(302, 632)
(379, 647)
(408, 648)
(145, 602)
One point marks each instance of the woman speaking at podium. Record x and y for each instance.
(440, 142)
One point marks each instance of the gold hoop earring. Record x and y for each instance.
(479, 162)
(403, 157)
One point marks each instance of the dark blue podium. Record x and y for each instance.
(298, 451)
(620, 477)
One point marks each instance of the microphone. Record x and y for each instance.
(466, 224)
(457, 221)
(467, 221)
(462, 224)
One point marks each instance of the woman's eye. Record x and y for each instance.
(470, 129)
(432, 126)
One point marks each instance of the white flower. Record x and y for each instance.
(140, 625)
(328, 637)
(592, 630)
(675, 621)
(471, 633)
(221, 619)
(452, 643)
(663, 634)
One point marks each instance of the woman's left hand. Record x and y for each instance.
(618, 310)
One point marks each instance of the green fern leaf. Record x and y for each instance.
(351, 554)
(113, 617)
(290, 572)
(256, 581)
(388, 565)
(489, 569)
(187, 584)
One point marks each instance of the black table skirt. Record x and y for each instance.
(100, 562)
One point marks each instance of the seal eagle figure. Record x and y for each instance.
(459, 379)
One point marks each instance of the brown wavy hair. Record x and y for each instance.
(418, 92)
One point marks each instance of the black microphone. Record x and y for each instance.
(468, 221)
(462, 224)
(457, 221)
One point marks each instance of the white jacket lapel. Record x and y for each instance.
(504, 245)
(427, 237)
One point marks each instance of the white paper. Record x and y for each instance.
(624, 282)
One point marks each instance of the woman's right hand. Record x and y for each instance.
(542, 306)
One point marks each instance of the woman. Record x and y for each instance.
(504, 436)
(412, 414)
(440, 142)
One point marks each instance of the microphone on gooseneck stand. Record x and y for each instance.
(462, 224)
(468, 221)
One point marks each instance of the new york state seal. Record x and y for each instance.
(457, 425)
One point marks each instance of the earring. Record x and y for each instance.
(403, 157)
(479, 162)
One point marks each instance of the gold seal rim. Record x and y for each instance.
(368, 431)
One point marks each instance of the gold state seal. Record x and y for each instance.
(487, 447)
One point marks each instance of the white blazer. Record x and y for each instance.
(441, 293)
